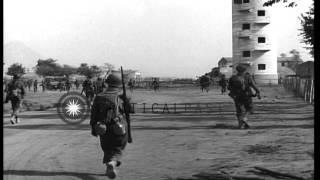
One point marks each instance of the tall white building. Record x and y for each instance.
(253, 41)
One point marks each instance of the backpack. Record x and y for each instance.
(239, 87)
(88, 85)
(106, 112)
(15, 89)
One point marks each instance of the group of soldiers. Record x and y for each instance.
(109, 109)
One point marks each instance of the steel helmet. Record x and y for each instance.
(241, 68)
(114, 80)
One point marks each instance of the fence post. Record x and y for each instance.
(311, 91)
(305, 89)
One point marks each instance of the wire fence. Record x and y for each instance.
(301, 87)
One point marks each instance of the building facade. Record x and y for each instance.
(253, 41)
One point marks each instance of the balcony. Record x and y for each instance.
(262, 20)
(245, 7)
(262, 47)
(244, 34)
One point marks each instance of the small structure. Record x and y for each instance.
(290, 62)
(305, 70)
(225, 66)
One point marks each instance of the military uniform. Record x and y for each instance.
(88, 89)
(15, 94)
(223, 84)
(240, 91)
(77, 84)
(35, 86)
(68, 85)
(114, 137)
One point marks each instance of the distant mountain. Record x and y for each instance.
(18, 52)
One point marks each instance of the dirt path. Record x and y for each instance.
(168, 145)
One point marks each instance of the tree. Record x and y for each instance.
(295, 54)
(306, 20)
(49, 67)
(288, 3)
(307, 30)
(283, 55)
(67, 70)
(107, 68)
(87, 71)
(16, 69)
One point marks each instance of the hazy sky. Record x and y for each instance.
(182, 38)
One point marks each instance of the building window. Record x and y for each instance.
(246, 1)
(245, 26)
(261, 12)
(283, 64)
(238, 1)
(261, 39)
(246, 54)
(261, 66)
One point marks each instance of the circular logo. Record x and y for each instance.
(73, 108)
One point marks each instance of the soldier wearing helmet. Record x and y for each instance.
(15, 94)
(108, 122)
(240, 86)
(88, 88)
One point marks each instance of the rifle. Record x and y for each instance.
(126, 105)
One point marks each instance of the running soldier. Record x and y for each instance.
(223, 83)
(77, 84)
(15, 94)
(43, 85)
(240, 87)
(155, 85)
(60, 85)
(68, 85)
(88, 89)
(35, 86)
(131, 85)
(108, 122)
(29, 82)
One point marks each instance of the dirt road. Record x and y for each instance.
(167, 146)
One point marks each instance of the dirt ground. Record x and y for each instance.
(167, 146)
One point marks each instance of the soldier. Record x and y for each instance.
(155, 85)
(60, 85)
(29, 82)
(223, 83)
(43, 85)
(108, 122)
(68, 85)
(88, 88)
(240, 91)
(15, 94)
(77, 84)
(131, 85)
(35, 86)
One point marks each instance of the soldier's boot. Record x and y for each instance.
(111, 172)
(245, 121)
(18, 120)
(12, 119)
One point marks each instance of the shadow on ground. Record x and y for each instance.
(215, 176)
(83, 176)
(192, 127)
